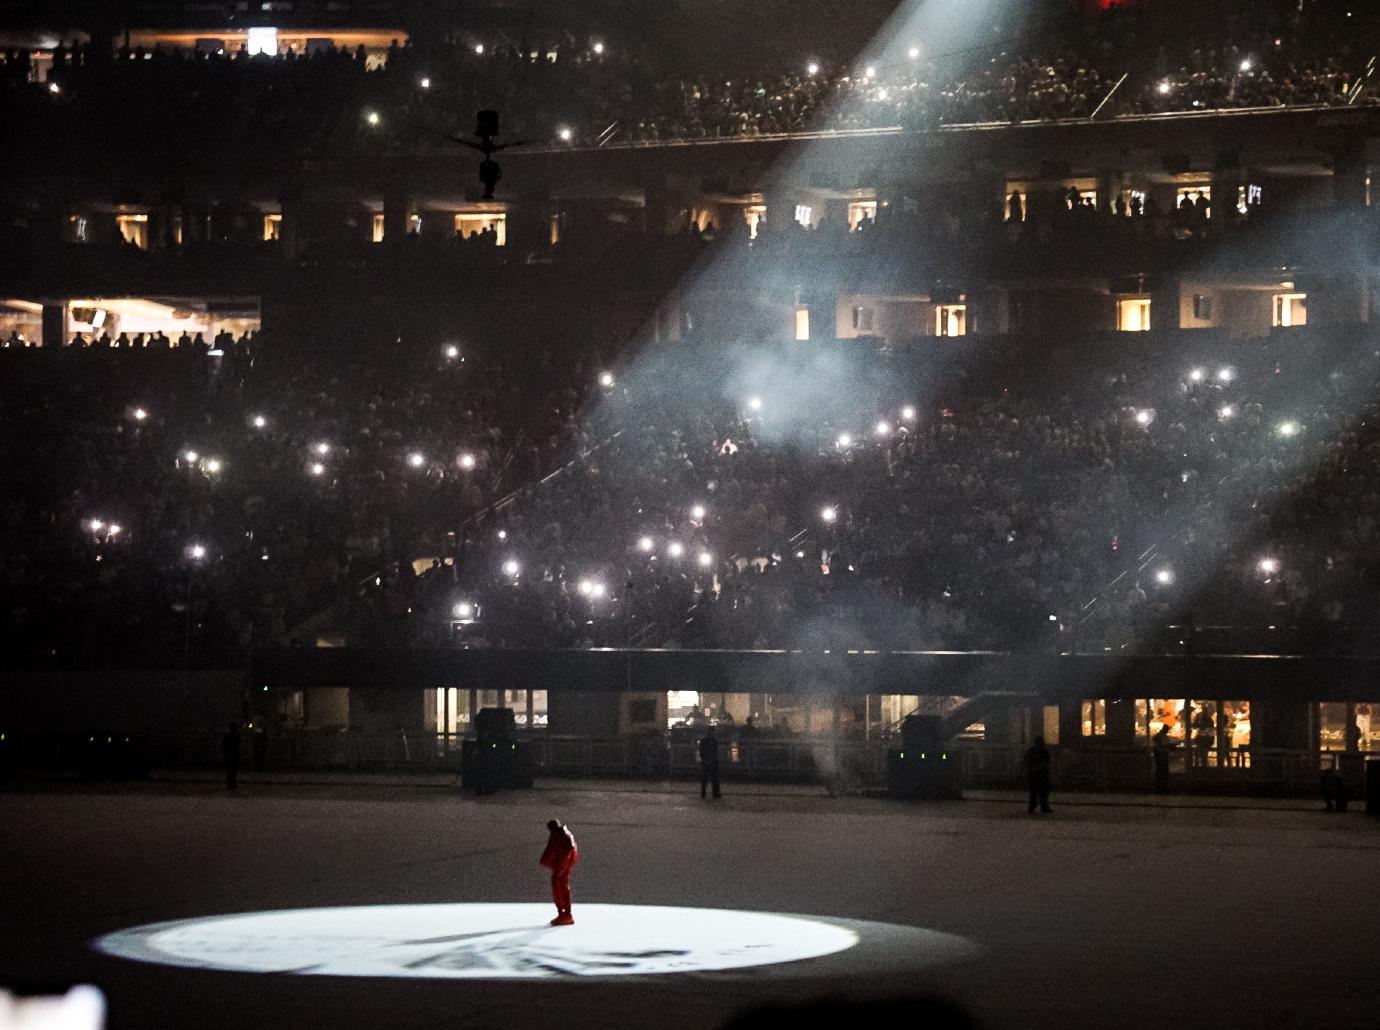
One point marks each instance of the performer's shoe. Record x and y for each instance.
(564, 919)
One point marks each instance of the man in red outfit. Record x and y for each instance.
(560, 857)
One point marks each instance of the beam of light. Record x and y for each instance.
(512, 942)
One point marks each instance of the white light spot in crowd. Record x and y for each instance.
(1164, 577)
(452, 351)
(645, 543)
(1225, 375)
(871, 72)
(467, 461)
(913, 52)
(845, 440)
(1197, 375)
(800, 554)
(883, 428)
(566, 133)
(323, 449)
(115, 529)
(464, 610)
(372, 117)
(1288, 429)
(511, 567)
(196, 552)
(812, 68)
(675, 550)
(1246, 65)
(260, 422)
(97, 525)
(598, 48)
(479, 49)
(213, 465)
(908, 413)
(316, 468)
(586, 587)
(697, 512)
(416, 460)
(706, 559)
(1164, 87)
(1226, 411)
(599, 590)
(190, 457)
(755, 403)
(1269, 566)
(605, 379)
(140, 414)
(503, 534)
(829, 514)
(424, 82)
(1143, 417)
(53, 87)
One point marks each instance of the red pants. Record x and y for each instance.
(560, 891)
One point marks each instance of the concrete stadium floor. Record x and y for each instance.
(1110, 912)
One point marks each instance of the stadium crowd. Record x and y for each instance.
(875, 501)
(593, 93)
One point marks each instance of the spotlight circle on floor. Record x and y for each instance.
(505, 941)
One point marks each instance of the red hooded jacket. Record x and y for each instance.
(561, 853)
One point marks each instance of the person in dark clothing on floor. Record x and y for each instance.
(1037, 762)
(230, 754)
(709, 763)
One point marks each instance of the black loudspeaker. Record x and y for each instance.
(924, 767)
(495, 759)
(934, 774)
(486, 124)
